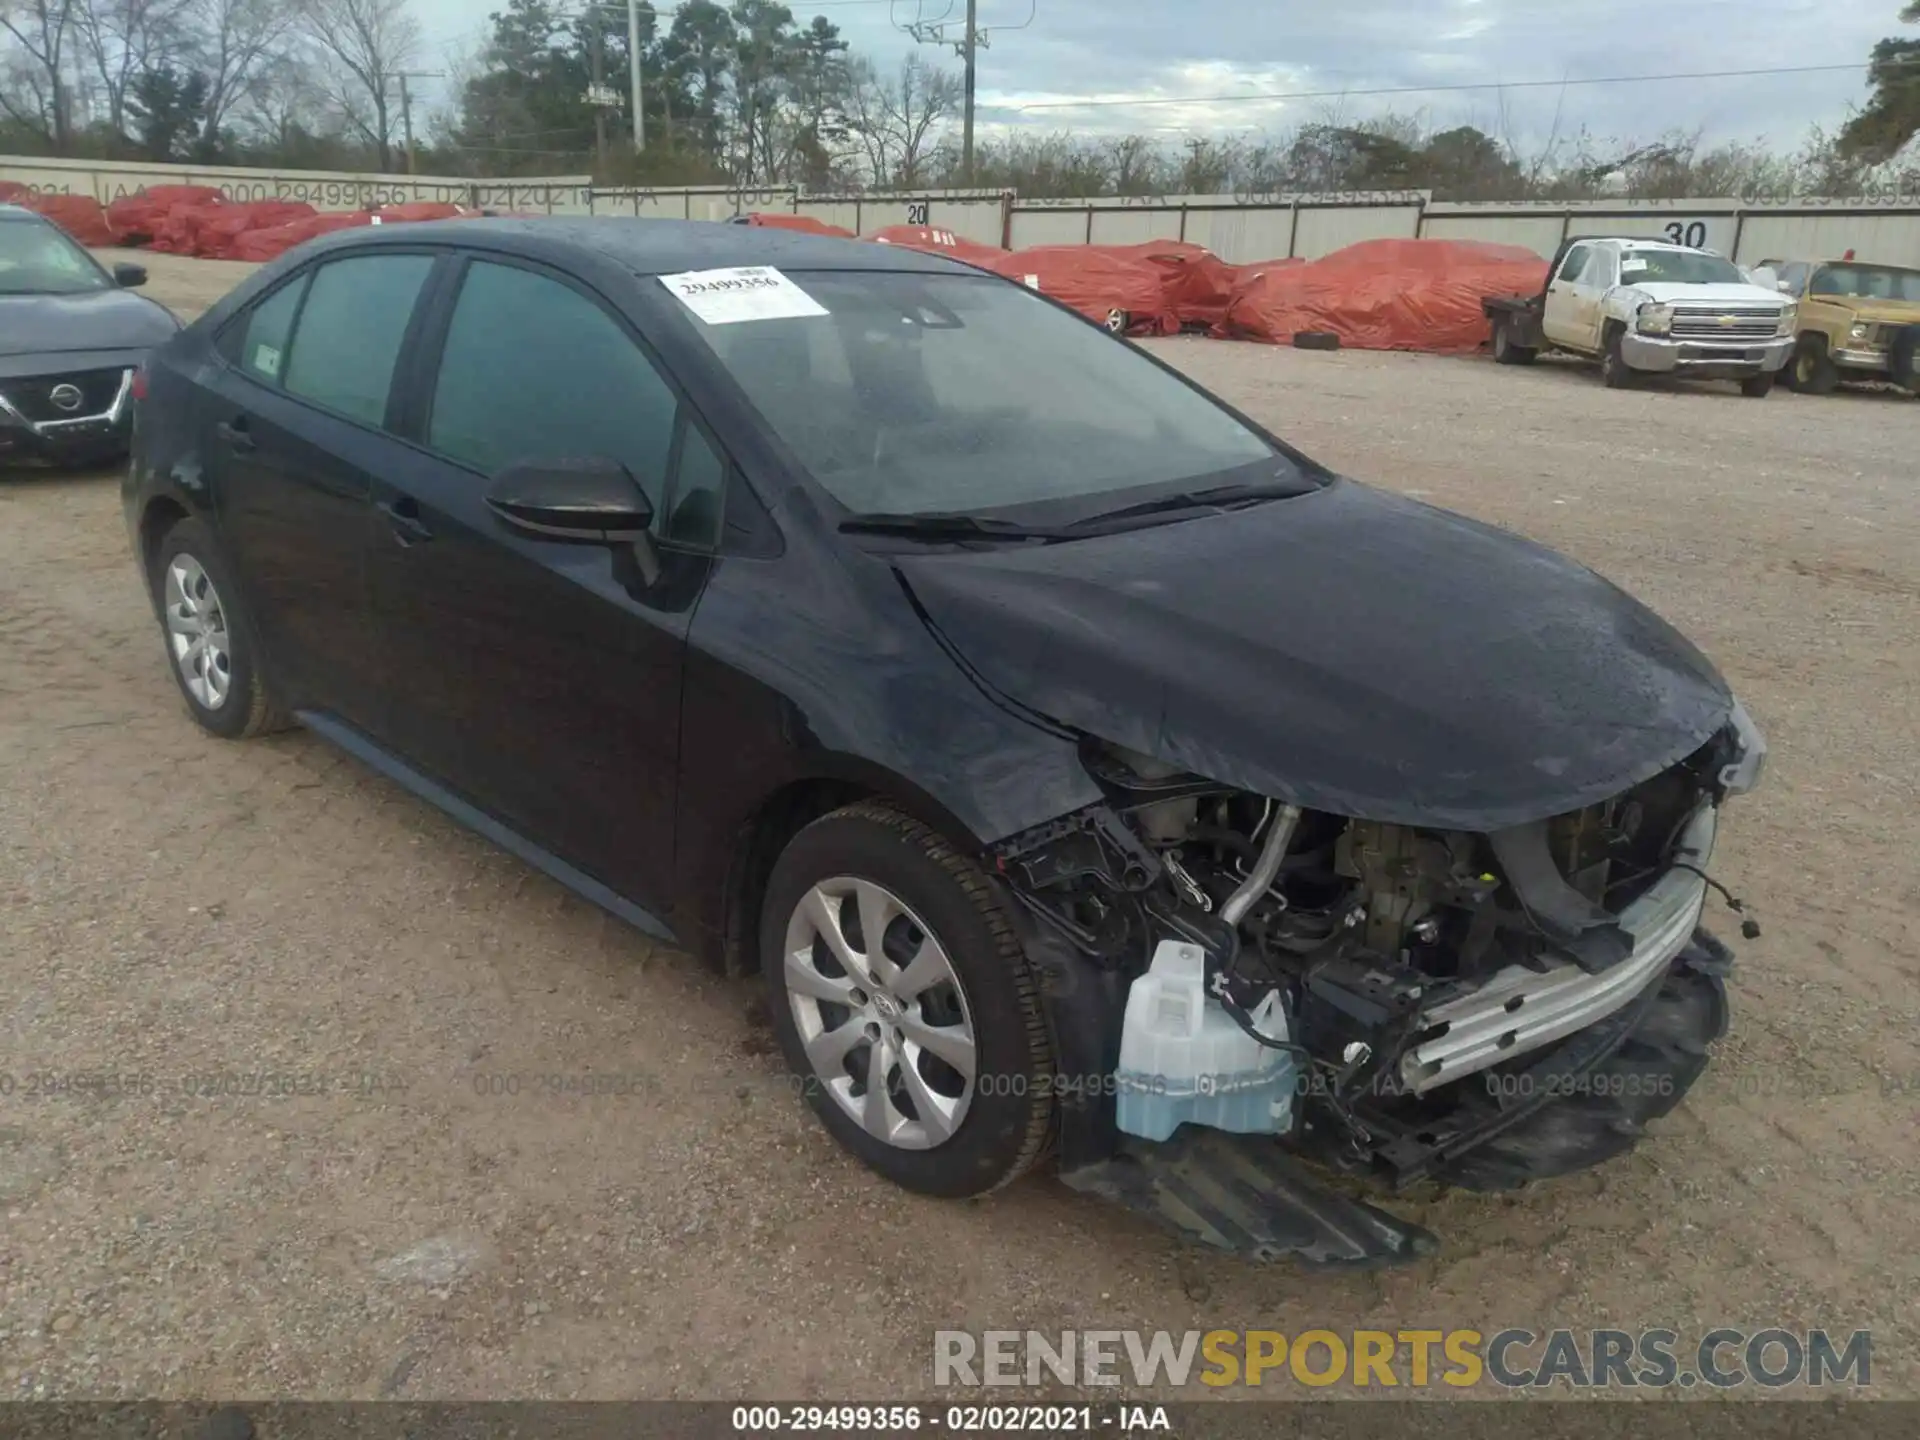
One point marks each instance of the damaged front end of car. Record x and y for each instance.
(1246, 984)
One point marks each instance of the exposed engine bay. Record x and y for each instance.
(1430, 991)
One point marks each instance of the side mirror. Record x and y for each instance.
(129, 277)
(593, 500)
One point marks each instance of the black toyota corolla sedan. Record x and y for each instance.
(1088, 773)
(70, 339)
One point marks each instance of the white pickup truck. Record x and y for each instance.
(1648, 307)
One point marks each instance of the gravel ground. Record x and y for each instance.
(171, 905)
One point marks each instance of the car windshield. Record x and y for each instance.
(1677, 267)
(919, 394)
(1867, 282)
(39, 259)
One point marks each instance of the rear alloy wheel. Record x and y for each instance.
(905, 1005)
(209, 648)
(1117, 322)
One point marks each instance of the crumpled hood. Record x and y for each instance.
(1349, 650)
(1667, 293)
(98, 320)
(1879, 312)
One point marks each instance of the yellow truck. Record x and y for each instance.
(1858, 321)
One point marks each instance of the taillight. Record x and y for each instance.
(140, 383)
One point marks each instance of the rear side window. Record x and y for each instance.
(263, 338)
(534, 370)
(350, 331)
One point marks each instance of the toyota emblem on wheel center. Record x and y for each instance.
(65, 397)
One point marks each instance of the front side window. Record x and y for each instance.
(927, 393)
(37, 258)
(1575, 262)
(351, 328)
(534, 370)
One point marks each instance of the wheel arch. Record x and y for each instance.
(782, 813)
(160, 514)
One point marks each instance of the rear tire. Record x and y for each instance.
(210, 647)
(926, 1054)
(1812, 371)
(1757, 387)
(1508, 351)
(1903, 359)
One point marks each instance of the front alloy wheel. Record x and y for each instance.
(881, 1013)
(905, 1004)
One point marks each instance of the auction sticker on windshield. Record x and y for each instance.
(750, 292)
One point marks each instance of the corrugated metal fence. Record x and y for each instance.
(1238, 229)
(1243, 230)
(110, 180)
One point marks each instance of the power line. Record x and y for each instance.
(1444, 89)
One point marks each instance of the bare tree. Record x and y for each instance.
(44, 31)
(232, 44)
(364, 45)
(123, 40)
(895, 120)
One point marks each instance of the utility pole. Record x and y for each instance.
(599, 87)
(971, 40)
(406, 108)
(967, 48)
(406, 123)
(633, 62)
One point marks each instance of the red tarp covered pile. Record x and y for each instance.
(274, 241)
(1384, 294)
(137, 218)
(1195, 283)
(776, 220)
(412, 210)
(936, 241)
(178, 232)
(12, 192)
(217, 230)
(79, 215)
(1098, 281)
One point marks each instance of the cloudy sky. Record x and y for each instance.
(1046, 58)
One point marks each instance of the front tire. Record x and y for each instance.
(210, 648)
(1615, 373)
(1813, 371)
(924, 1052)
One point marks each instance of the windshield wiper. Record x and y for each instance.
(1217, 497)
(947, 525)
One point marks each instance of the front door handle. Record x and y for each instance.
(236, 436)
(403, 515)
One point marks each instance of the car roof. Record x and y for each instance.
(16, 212)
(655, 247)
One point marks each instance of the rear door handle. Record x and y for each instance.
(403, 514)
(236, 436)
